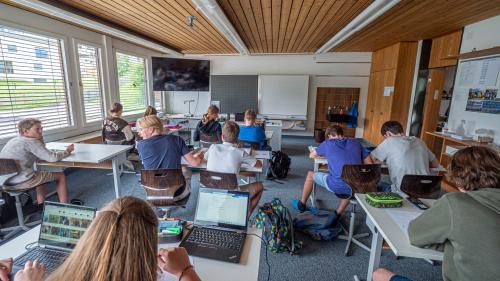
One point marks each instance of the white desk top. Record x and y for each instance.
(247, 269)
(392, 233)
(90, 153)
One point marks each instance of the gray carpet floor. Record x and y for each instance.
(317, 260)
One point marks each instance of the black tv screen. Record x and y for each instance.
(171, 74)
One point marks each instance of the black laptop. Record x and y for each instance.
(220, 225)
(62, 226)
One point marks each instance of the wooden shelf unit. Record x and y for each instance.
(334, 97)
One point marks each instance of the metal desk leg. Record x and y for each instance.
(116, 162)
(376, 249)
(313, 193)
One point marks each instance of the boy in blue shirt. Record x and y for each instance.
(339, 151)
(250, 132)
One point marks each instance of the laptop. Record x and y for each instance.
(62, 226)
(220, 225)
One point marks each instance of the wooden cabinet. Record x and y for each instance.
(391, 67)
(445, 50)
(334, 97)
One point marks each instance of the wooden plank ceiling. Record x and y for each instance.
(413, 20)
(162, 20)
(289, 26)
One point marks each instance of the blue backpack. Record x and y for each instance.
(317, 225)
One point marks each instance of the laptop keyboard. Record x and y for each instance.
(51, 259)
(220, 238)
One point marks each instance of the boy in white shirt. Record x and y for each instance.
(228, 158)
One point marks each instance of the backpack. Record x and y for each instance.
(277, 228)
(279, 165)
(318, 225)
(8, 209)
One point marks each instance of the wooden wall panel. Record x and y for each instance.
(445, 50)
(334, 97)
(419, 19)
(289, 26)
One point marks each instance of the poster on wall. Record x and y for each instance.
(483, 100)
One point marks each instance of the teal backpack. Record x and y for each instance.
(318, 224)
(277, 228)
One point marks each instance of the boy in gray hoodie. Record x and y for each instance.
(466, 223)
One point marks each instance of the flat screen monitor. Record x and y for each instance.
(171, 74)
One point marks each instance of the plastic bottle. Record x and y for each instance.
(329, 110)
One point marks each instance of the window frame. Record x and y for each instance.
(66, 69)
(117, 80)
(79, 88)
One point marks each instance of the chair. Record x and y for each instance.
(248, 144)
(161, 185)
(361, 178)
(8, 169)
(207, 140)
(421, 186)
(118, 142)
(218, 180)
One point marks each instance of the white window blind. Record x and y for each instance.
(131, 83)
(26, 92)
(90, 82)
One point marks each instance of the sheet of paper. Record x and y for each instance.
(262, 154)
(489, 71)
(468, 73)
(388, 90)
(403, 218)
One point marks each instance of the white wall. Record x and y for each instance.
(481, 35)
(338, 70)
(22, 19)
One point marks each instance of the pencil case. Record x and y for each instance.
(384, 199)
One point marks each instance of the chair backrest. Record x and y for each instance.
(207, 140)
(362, 178)
(218, 180)
(8, 169)
(161, 184)
(420, 186)
(248, 144)
(120, 142)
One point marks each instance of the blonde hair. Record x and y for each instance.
(150, 110)
(26, 124)
(250, 115)
(120, 245)
(151, 121)
(116, 108)
(212, 109)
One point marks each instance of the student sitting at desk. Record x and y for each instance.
(121, 244)
(227, 158)
(404, 155)
(209, 124)
(163, 151)
(150, 110)
(339, 151)
(466, 223)
(27, 148)
(250, 132)
(115, 130)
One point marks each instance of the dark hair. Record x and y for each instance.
(392, 126)
(475, 167)
(334, 131)
(117, 107)
(230, 132)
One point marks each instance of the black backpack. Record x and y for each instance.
(279, 165)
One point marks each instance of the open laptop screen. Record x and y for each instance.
(223, 208)
(64, 224)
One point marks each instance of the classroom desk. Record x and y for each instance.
(246, 270)
(384, 227)
(93, 156)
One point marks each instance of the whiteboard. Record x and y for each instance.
(283, 95)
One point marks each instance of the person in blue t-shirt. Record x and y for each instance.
(339, 151)
(250, 132)
(164, 151)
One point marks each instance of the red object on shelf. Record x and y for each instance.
(173, 126)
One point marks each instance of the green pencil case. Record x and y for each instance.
(384, 199)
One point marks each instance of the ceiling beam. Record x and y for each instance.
(65, 15)
(213, 12)
(375, 10)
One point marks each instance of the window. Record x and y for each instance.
(41, 53)
(6, 67)
(90, 82)
(131, 83)
(37, 67)
(12, 48)
(29, 93)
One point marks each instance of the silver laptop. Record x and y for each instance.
(62, 226)
(220, 225)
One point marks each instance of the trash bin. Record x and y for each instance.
(319, 135)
